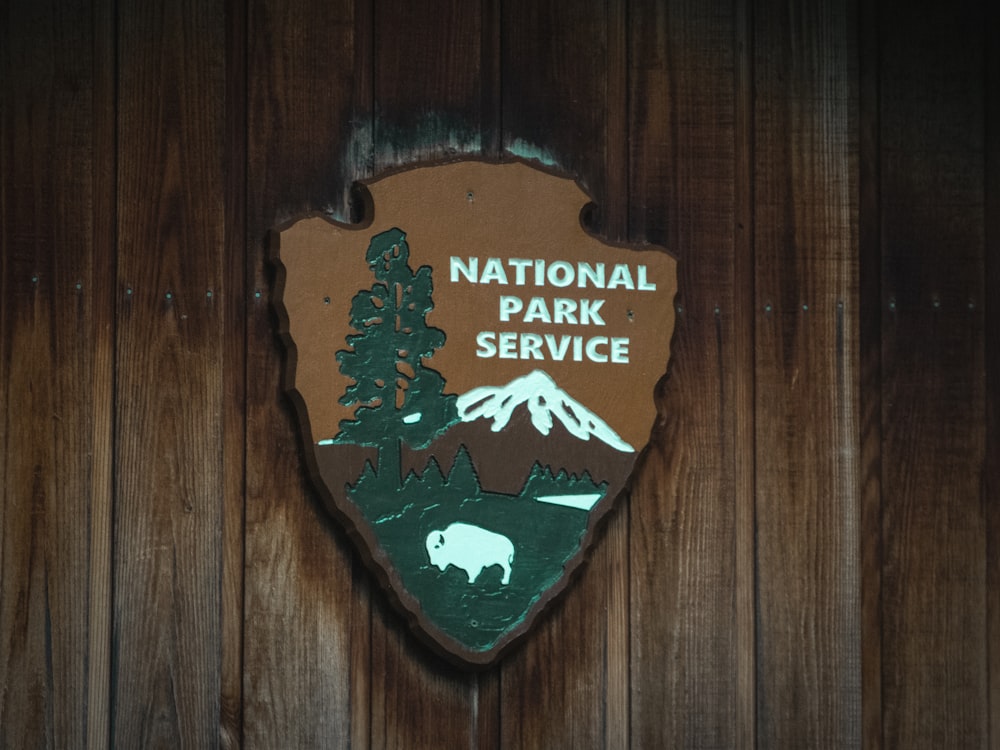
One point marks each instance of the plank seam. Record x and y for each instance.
(114, 219)
(745, 293)
(237, 218)
(491, 71)
(5, 82)
(991, 485)
(617, 712)
(872, 356)
(493, 24)
(370, 99)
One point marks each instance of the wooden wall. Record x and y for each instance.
(810, 557)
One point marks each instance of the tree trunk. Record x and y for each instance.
(390, 462)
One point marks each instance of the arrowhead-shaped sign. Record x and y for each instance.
(474, 373)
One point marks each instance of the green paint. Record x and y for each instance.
(398, 399)
(531, 152)
(376, 144)
(432, 134)
(545, 537)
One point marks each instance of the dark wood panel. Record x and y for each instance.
(170, 379)
(934, 538)
(428, 82)
(875, 457)
(870, 363)
(56, 372)
(418, 699)
(991, 486)
(807, 435)
(563, 86)
(307, 654)
(745, 301)
(428, 102)
(555, 63)
(234, 366)
(683, 162)
(309, 117)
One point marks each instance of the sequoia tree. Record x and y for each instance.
(398, 398)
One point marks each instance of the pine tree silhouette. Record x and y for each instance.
(462, 479)
(398, 398)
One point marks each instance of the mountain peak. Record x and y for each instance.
(544, 400)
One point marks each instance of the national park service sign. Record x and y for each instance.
(474, 373)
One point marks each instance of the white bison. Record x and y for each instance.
(470, 548)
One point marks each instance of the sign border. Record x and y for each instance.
(349, 515)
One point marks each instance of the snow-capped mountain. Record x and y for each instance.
(544, 400)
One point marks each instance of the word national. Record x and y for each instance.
(559, 273)
(559, 311)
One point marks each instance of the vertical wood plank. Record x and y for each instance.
(307, 653)
(684, 507)
(870, 347)
(807, 452)
(428, 87)
(234, 365)
(171, 322)
(555, 88)
(744, 465)
(934, 533)
(56, 356)
(105, 280)
(430, 99)
(418, 699)
(613, 555)
(491, 78)
(991, 500)
(564, 88)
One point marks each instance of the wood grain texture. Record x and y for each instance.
(683, 196)
(810, 556)
(104, 341)
(56, 364)
(870, 397)
(234, 366)
(807, 442)
(563, 92)
(745, 302)
(306, 633)
(991, 485)
(613, 555)
(170, 397)
(427, 81)
(554, 84)
(934, 537)
(418, 699)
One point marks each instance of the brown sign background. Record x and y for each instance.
(474, 209)
(508, 252)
